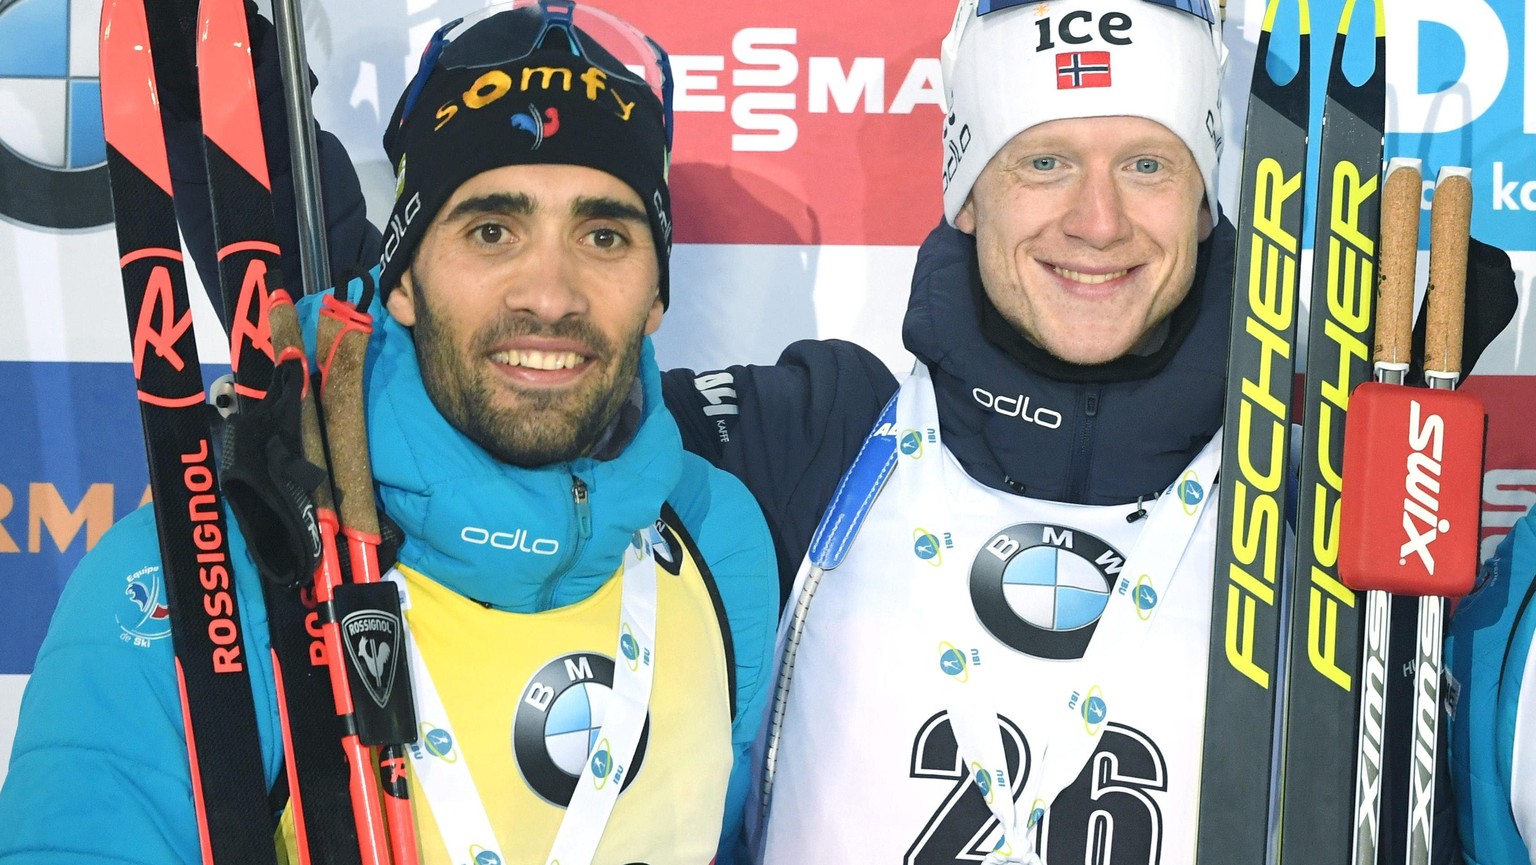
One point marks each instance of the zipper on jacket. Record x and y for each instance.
(583, 508)
(1082, 449)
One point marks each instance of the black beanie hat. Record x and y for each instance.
(549, 107)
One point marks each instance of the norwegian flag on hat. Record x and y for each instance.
(1082, 69)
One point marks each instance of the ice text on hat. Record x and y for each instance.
(1066, 29)
(495, 84)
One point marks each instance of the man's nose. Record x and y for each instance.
(1096, 214)
(547, 282)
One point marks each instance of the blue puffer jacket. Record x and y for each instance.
(1488, 653)
(99, 771)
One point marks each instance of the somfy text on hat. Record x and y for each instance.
(525, 83)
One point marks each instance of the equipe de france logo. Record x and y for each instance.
(557, 728)
(144, 617)
(1040, 588)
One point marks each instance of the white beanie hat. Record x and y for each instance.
(1010, 65)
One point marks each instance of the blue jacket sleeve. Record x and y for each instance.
(788, 431)
(99, 770)
(732, 539)
(1486, 654)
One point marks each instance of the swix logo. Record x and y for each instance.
(1017, 406)
(770, 80)
(397, 228)
(1426, 717)
(514, 541)
(1373, 713)
(1421, 487)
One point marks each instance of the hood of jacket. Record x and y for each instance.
(510, 537)
(1022, 421)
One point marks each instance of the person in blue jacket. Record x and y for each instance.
(1493, 721)
(520, 441)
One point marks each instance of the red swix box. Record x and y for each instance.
(1413, 468)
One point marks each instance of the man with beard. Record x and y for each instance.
(551, 519)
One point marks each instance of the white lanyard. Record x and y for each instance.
(442, 768)
(961, 649)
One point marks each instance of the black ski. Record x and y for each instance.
(1324, 680)
(250, 273)
(1237, 769)
(228, 785)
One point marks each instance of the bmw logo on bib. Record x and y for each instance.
(1040, 588)
(558, 726)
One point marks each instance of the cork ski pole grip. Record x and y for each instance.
(1397, 262)
(1450, 227)
(342, 344)
(286, 338)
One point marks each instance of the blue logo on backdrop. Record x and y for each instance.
(1460, 97)
(72, 466)
(52, 153)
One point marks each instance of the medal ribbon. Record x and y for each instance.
(445, 779)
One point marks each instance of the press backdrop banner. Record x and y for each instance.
(805, 174)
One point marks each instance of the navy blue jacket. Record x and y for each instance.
(1018, 419)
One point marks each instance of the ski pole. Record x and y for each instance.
(364, 796)
(1414, 455)
(341, 345)
(314, 255)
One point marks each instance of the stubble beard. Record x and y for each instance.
(544, 427)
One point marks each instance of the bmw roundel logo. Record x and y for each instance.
(1040, 588)
(557, 729)
(52, 151)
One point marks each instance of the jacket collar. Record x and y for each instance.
(1022, 421)
(510, 537)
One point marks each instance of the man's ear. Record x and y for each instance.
(965, 220)
(1205, 222)
(653, 318)
(402, 301)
